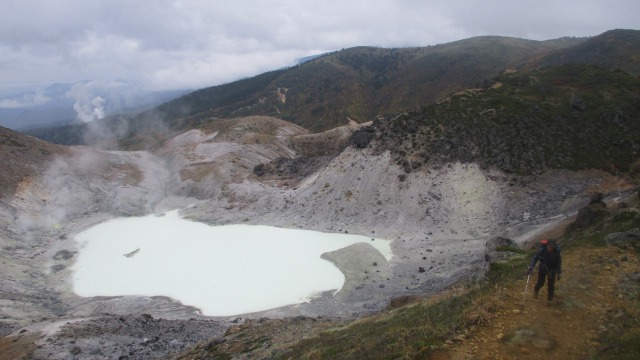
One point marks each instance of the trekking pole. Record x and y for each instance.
(525, 289)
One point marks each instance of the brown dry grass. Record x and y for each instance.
(23, 157)
(588, 299)
(20, 347)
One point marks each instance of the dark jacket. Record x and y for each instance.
(550, 261)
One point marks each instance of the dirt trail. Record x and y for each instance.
(590, 298)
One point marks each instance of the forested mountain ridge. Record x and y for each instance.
(360, 84)
(614, 49)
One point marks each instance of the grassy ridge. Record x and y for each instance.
(363, 83)
(613, 49)
(360, 83)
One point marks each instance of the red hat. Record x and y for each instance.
(544, 241)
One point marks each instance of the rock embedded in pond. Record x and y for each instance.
(64, 255)
(57, 267)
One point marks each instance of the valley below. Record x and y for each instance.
(443, 222)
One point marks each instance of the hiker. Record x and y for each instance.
(550, 266)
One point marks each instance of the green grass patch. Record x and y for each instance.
(410, 332)
(414, 330)
(513, 268)
(623, 346)
(608, 221)
(506, 248)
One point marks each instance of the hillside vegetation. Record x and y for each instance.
(568, 117)
(614, 49)
(358, 83)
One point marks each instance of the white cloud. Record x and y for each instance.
(25, 100)
(194, 43)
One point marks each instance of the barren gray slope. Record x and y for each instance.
(439, 219)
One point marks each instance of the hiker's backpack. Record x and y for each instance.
(554, 243)
(544, 243)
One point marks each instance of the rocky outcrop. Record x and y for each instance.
(596, 199)
(361, 138)
(592, 213)
(627, 239)
(589, 215)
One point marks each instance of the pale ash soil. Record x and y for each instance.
(591, 297)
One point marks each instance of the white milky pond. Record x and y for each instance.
(222, 270)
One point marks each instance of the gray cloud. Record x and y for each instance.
(195, 43)
(24, 100)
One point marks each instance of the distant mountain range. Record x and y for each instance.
(78, 102)
(365, 83)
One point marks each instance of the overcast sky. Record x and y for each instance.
(168, 44)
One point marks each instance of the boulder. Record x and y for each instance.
(58, 267)
(64, 255)
(577, 103)
(596, 199)
(260, 169)
(627, 239)
(590, 215)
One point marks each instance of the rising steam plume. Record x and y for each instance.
(88, 106)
